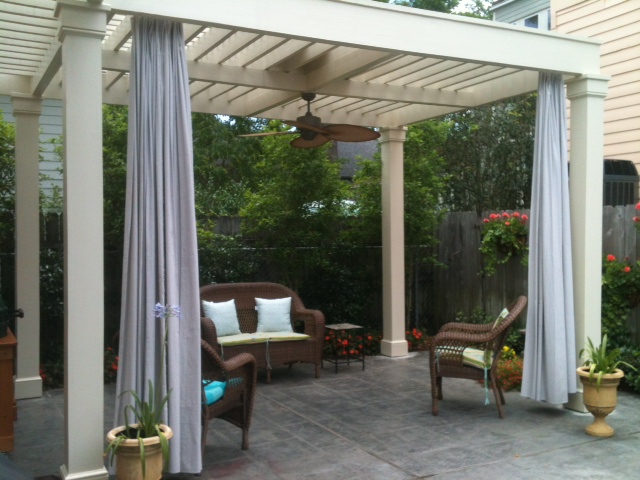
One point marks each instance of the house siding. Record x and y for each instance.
(518, 9)
(50, 129)
(617, 24)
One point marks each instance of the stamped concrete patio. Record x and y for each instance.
(377, 424)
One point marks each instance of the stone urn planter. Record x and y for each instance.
(129, 463)
(600, 401)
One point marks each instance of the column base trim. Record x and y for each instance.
(28, 387)
(100, 474)
(394, 348)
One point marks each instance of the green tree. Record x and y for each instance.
(7, 184)
(298, 199)
(425, 179)
(489, 153)
(296, 213)
(223, 163)
(114, 157)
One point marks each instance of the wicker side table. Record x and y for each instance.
(338, 359)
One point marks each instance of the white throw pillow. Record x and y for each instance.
(223, 315)
(274, 315)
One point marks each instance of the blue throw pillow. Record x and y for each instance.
(214, 391)
(223, 315)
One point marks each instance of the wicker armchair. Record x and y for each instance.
(447, 347)
(236, 405)
(276, 353)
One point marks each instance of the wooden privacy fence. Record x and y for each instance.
(458, 287)
(439, 293)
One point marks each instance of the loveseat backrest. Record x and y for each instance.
(245, 295)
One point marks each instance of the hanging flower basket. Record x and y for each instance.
(504, 236)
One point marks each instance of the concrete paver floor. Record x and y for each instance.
(377, 424)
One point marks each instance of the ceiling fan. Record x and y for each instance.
(314, 134)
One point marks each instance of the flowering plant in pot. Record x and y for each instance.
(504, 236)
(141, 446)
(600, 377)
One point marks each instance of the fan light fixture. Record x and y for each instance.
(314, 134)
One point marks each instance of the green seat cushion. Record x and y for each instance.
(474, 357)
(260, 337)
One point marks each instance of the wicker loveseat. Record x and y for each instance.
(272, 351)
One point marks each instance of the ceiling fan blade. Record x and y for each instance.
(266, 134)
(343, 132)
(316, 142)
(305, 126)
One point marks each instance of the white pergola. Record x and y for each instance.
(369, 63)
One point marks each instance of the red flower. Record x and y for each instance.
(611, 258)
(636, 219)
(493, 216)
(516, 214)
(525, 218)
(486, 220)
(638, 206)
(507, 223)
(506, 215)
(627, 269)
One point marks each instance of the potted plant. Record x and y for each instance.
(600, 377)
(503, 236)
(141, 447)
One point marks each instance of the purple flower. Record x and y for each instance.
(166, 311)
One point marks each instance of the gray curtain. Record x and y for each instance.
(549, 356)
(160, 247)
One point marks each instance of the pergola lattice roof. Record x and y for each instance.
(369, 63)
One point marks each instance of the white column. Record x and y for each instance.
(82, 30)
(394, 342)
(26, 110)
(587, 95)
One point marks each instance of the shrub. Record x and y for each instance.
(417, 340)
(509, 371)
(620, 293)
(342, 343)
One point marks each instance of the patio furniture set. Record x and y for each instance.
(246, 326)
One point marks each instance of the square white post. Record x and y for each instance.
(586, 94)
(82, 29)
(394, 342)
(26, 110)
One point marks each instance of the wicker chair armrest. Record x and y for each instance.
(462, 339)
(313, 322)
(466, 327)
(208, 331)
(232, 367)
(239, 361)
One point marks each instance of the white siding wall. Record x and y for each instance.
(50, 128)
(511, 12)
(617, 24)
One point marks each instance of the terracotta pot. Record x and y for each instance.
(600, 402)
(128, 461)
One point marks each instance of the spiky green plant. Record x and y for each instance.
(146, 424)
(600, 361)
